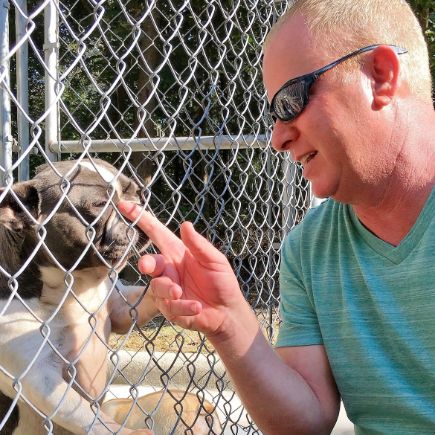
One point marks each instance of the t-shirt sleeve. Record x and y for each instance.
(299, 326)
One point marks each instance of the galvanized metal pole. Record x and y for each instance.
(288, 207)
(5, 101)
(22, 89)
(51, 45)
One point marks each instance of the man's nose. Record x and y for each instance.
(283, 135)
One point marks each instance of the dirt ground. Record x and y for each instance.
(161, 336)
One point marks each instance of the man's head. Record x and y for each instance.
(343, 26)
(350, 131)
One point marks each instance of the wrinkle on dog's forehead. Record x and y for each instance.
(95, 174)
(106, 174)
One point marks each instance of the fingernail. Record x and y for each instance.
(127, 207)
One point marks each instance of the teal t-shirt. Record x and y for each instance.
(372, 306)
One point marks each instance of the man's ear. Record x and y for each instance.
(12, 214)
(384, 71)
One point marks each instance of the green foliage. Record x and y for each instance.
(425, 12)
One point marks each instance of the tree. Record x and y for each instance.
(425, 11)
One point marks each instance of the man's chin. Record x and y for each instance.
(321, 193)
(322, 189)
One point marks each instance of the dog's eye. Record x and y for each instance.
(99, 204)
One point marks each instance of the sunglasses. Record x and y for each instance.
(292, 98)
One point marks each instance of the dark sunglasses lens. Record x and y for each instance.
(290, 101)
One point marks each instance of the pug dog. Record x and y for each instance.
(62, 245)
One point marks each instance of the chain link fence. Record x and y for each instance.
(170, 92)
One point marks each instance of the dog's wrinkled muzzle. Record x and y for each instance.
(120, 237)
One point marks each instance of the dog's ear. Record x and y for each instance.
(12, 213)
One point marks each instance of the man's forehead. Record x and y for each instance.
(291, 51)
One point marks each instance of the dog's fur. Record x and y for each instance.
(55, 310)
(173, 412)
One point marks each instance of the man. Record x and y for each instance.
(357, 286)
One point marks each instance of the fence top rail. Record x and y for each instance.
(221, 142)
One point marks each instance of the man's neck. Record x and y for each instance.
(390, 208)
(393, 217)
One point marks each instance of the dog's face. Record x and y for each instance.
(76, 206)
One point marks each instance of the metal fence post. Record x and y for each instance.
(288, 212)
(51, 44)
(22, 89)
(5, 102)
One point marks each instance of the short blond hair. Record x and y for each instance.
(347, 25)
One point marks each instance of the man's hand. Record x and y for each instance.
(192, 284)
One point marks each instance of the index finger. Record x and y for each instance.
(167, 242)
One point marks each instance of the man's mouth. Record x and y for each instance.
(305, 159)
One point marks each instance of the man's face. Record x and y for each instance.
(334, 135)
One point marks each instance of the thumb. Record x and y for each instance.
(199, 246)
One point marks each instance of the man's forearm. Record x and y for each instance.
(278, 399)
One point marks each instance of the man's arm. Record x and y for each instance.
(290, 391)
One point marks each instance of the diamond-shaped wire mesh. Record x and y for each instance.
(170, 93)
